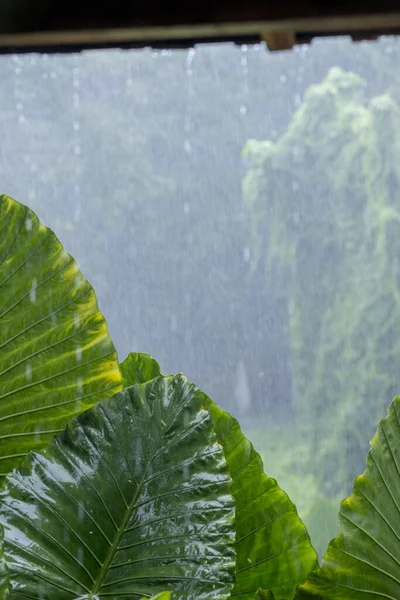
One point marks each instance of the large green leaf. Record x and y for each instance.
(363, 562)
(162, 596)
(132, 499)
(56, 358)
(138, 368)
(273, 548)
(3, 569)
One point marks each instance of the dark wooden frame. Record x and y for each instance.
(48, 25)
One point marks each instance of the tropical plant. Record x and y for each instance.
(56, 357)
(154, 492)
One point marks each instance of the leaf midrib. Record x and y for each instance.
(121, 530)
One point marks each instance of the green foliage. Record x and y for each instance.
(363, 561)
(56, 357)
(273, 549)
(138, 368)
(158, 489)
(324, 201)
(272, 545)
(262, 595)
(134, 497)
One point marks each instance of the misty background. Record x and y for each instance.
(237, 212)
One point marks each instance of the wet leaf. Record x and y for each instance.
(162, 596)
(264, 595)
(274, 553)
(56, 357)
(121, 505)
(138, 368)
(364, 560)
(273, 548)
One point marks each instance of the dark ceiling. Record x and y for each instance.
(80, 23)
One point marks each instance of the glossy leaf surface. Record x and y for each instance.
(131, 500)
(162, 596)
(273, 548)
(363, 562)
(56, 357)
(138, 368)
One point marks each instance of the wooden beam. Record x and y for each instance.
(279, 24)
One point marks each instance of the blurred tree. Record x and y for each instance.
(325, 201)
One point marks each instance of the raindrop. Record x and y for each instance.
(32, 293)
(242, 389)
(28, 224)
(245, 72)
(296, 152)
(77, 213)
(174, 323)
(78, 353)
(77, 320)
(188, 111)
(295, 185)
(28, 372)
(246, 254)
(79, 386)
(186, 418)
(185, 472)
(297, 100)
(283, 78)
(189, 59)
(186, 208)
